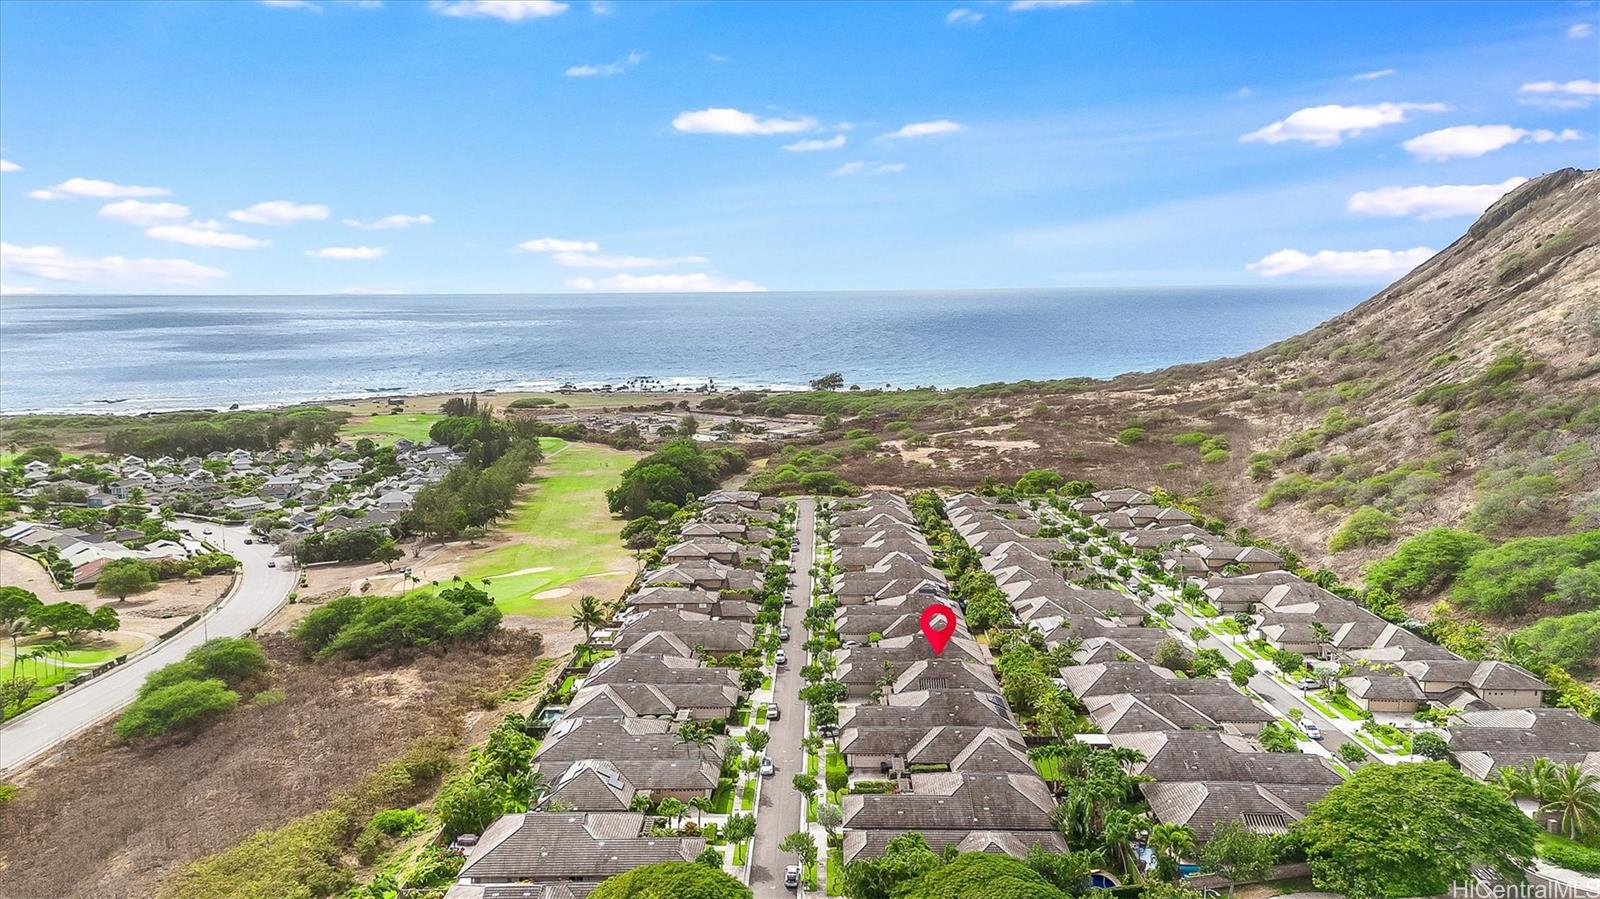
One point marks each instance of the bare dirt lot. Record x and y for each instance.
(110, 821)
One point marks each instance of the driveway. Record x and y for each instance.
(781, 811)
(256, 594)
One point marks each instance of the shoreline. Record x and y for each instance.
(115, 408)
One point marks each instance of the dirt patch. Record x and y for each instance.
(105, 820)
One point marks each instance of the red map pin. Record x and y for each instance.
(938, 623)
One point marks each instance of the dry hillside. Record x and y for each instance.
(1468, 391)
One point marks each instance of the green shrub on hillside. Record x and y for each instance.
(194, 690)
(1571, 641)
(1511, 577)
(1366, 526)
(184, 705)
(1424, 563)
(373, 625)
(1511, 499)
(1129, 436)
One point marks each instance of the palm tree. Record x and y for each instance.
(1127, 757)
(1511, 648)
(692, 733)
(700, 804)
(1170, 842)
(587, 616)
(1121, 828)
(1574, 796)
(639, 803)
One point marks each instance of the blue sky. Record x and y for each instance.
(482, 146)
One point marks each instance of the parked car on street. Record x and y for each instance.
(782, 657)
(272, 564)
(783, 632)
(791, 877)
(772, 713)
(768, 768)
(1308, 683)
(1310, 729)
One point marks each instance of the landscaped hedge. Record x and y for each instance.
(872, 786)
(1582, 859)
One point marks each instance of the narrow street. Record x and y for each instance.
(781, 808)
(1280, 698)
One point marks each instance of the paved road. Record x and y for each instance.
(782, 809)
(257, 593)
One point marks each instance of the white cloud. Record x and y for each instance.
(348, 253)
(812, 146)
(56, 264)
(1429, 203)
(1327, 126)
(9, 290)
(718, 120)
(925, 129)
(138, 212)
(1559, 94)
(868, 168)
(963, 16)
(1468, 141)
(7, 165)
(280, 212)
(1022, 5)
(1372, 76)
(98, 190)
(1244, 93)
(1580, 30)
(606, 70)
(589, 260)
(390, 222)
(557, 245)
(504, 10)
(369, 291)
(692, 282)
(209, 234)
(601, 7)
(306, 5)
(717, 58)
(1356, 263)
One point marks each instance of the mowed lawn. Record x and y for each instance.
(561, 532)
(386, 429)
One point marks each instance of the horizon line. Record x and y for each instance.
(665, 293)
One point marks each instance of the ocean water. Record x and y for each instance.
(140, 353)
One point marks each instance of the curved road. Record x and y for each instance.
(256, 594)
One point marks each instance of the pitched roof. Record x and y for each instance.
(562, 846)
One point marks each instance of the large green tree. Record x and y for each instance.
(1412, 830)
(905, 859)
(982, 875)
(672, 880)
(124, 577)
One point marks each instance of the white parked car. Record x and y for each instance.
(768, 768)
(783, 657)
(791, 877)
(1310, 729)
